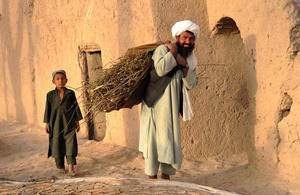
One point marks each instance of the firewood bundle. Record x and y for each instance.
(123, 83)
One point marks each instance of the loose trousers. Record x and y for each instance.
(60, 162)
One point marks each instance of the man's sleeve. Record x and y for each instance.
(191, 79)
(164, 61)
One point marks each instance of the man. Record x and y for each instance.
(165, 97)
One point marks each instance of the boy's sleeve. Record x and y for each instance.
(47, 111)
(78, 115)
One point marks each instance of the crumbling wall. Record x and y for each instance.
(289, 125)
(288, 111)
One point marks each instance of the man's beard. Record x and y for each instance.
(185, 51)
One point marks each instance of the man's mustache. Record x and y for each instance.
(187, 44)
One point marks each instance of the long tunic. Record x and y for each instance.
(163, 116)
(62, 117)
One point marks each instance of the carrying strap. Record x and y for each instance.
(143, 48)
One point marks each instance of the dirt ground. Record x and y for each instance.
(23, 157)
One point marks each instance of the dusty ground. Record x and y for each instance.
(23, 157)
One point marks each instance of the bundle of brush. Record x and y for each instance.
(122, 85)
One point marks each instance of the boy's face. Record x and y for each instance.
(60, 80)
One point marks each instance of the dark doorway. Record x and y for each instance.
(90, 62)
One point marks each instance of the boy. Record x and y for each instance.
(62, 115)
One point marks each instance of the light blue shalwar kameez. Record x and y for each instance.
(160, 139)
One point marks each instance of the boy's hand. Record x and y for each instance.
(77, 126)
(47, 128)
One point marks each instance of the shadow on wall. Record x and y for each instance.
(224, 102)
(11, 48)
(227, 92)
(240, 106)
(235, 90)
(250, 50)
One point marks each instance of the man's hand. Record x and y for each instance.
(185, 71)
(173, 48)
(180, 61)
(47, 128)
(77, 126)
(182, 64)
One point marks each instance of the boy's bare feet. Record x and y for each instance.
(165, 176)
(153, 177)
(62, 171)
(72, 173)
(71, 170)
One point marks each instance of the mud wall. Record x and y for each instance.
(271, 48)
(246, 101)
(38, 37)
(288, 114)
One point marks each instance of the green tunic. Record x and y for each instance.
(163, 117)
(62, 117)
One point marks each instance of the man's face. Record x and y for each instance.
(185, 43)
(60, 80)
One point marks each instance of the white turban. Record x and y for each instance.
(185, 25)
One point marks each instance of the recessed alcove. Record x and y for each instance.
(226, 25)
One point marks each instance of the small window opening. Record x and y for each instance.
(226, 26)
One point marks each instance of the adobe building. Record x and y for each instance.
(247, 100)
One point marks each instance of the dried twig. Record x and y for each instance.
(115, 83)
